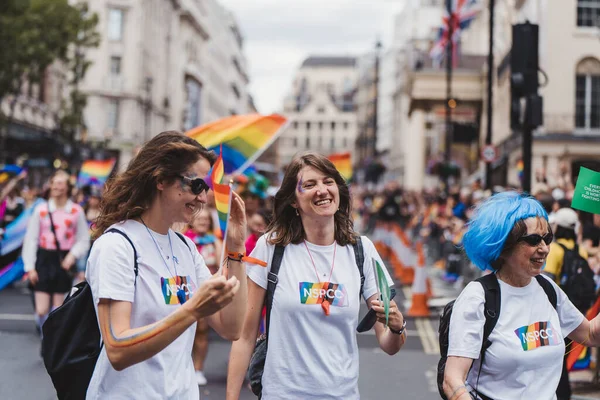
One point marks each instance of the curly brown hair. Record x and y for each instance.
(162, 159)
(286, 227)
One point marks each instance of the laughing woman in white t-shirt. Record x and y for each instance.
(312, 351)
(510, 235)
(148, 322)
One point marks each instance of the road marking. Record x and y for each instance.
(423, 336)
(16, 317)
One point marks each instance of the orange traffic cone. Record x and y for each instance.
(419, 306)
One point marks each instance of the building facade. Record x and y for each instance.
(569, 56)
(321, 108)
(161, 65)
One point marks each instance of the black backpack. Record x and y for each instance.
(492, 313)
(72, 342)
(577, 279)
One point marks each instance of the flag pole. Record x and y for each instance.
(224, 245)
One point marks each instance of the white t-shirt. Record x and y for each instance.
(170, 373)
(525, 358)
(311, 355)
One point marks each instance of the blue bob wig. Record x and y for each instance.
(493, 221)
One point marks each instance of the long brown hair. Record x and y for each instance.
(162, 159)
(286, 227)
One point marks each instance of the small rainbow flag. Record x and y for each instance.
(343, 163)
(222, 194)
(243, 137)
(95, 172)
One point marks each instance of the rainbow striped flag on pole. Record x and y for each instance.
(223, 197)
(243, 138)
(343, 163)
(95, 172)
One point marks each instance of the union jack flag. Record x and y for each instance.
(463, 13)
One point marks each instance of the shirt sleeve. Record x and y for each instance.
(554, 260)
(82, 236)
(466, 322)
(112, 256)
(370, 287)
(30, 242)
(569, 316)
(262, 251)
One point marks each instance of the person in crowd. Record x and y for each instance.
(311, 218)
(210, 247)
(257, 225)
(591, 236)
(148, 320)
(57, 235)
(91, 206)
(253, 202)
(14, 205)
(510, 236)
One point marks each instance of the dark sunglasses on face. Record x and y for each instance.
(197, 185)
(535, 239)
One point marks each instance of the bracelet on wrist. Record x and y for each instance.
(400, 331)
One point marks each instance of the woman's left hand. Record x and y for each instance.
(396, 319)
(237, 225)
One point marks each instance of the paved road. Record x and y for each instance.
(408, 375)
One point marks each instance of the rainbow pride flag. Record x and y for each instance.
(222, 194)
(243, 137)
(95, 172)
(343, 163)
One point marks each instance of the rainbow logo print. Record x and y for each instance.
(170, 286)
(537, 335)
(315, 293)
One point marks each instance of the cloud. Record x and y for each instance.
(280, 34)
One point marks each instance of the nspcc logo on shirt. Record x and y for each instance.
(537, 335)
(170, 286)
(316, 293)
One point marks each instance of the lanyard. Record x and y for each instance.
(324, 302)
(180, 292)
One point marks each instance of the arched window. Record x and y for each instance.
(587, 94)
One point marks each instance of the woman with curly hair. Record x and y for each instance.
(148, 320)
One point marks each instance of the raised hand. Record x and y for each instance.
(213, 295)
(237, 225)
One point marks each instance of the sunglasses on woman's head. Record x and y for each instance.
(197, 185)
(535, 239)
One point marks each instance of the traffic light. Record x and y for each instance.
(524, 66)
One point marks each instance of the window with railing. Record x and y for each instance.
(193, 90)
(588, 13)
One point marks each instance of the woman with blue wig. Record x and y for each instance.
(509, 235)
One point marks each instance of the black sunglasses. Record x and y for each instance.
(198, 185)
(535, 239)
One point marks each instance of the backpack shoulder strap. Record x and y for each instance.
(272, 279)
(135, 262)
(359, 255)
(549, 289)
(491, 310)
(180, 236)
(491, 287)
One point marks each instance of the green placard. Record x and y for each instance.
(587, 192)
(384, 288)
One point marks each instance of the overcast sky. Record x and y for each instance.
(280, 34)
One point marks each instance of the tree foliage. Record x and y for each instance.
(36, 33)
